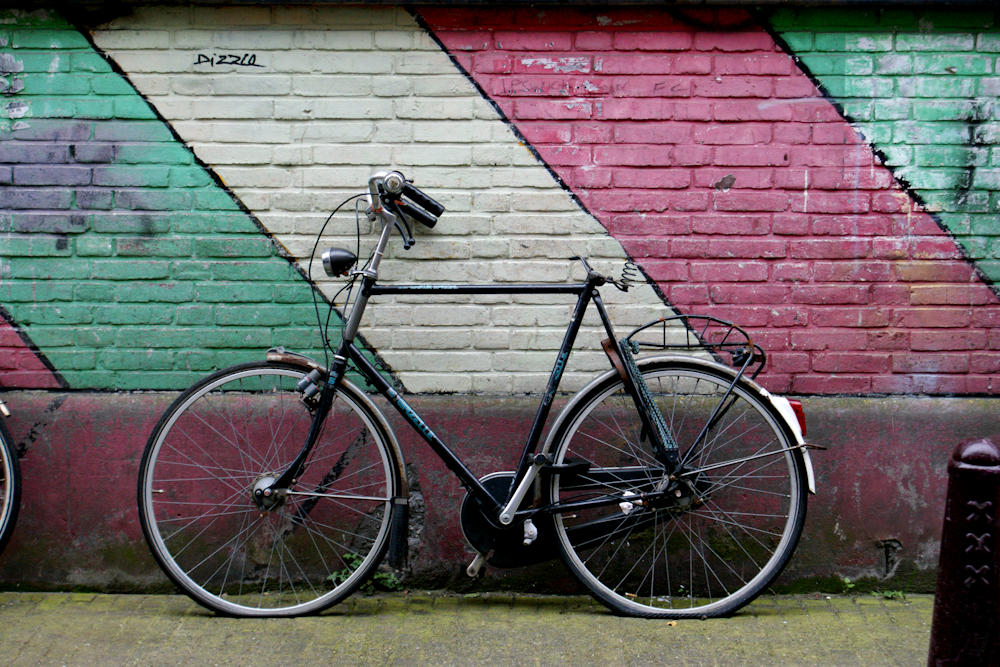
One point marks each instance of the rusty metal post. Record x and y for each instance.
(966, 626)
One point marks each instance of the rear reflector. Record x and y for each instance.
(799, 414)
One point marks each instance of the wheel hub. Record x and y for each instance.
(265, 496)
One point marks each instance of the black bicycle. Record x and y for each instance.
(10, 481)
(672, 485)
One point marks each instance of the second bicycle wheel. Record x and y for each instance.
(712, 538)
(10, 485)
(304, 553)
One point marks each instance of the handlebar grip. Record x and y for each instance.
(420, 199)
(420, 215)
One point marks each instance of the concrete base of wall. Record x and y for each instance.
(877, 517)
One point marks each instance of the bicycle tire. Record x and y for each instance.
(10, 485)
(222, 436)
(736, 524)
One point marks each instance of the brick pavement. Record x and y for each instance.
(82, 629)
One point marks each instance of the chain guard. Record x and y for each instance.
(507, 543)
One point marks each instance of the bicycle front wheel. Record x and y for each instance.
(10, 485)
(301, 554)
(705, 542)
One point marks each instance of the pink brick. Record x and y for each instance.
(791, 224)
(988, 318)
(864, 318)
(651, 86)
(747, 248)
(553, 64)
(792, 271)
(826, 156)
(817, 110)
(829, 249)
(737, 87)
(756, 110)
(818, 341)
(835, 133)
(830, 202)
(533, 41)
(748, 179)
(652, 133)
(627, 63)
(687, 201)
(645, 247)
(748, 294)
(692, 64)
(552, 110)
(594, 41)
(657, 156)
(690, 247)
(934, 341)
(739, 156)
(591, 133)
(936, 271)
(931, 318)
(850, 362)
(660, 225)
(940, 248)
(981, 384)
(757, 64)
(653, 41)
(549, 133)
(961, 295)
(794, 87)
(731, 272)
(687, 294)
(930, 363)
(788, 316)
(852, 272)
(693, 110)
(667, 270)
(750, 201)
(890, 202)
(776, 383)
(891, 248)
(492, 63)
(939, 384)
(588, 177)
(893, 384)
(652, 178)
(888, 340)
(747, 316)
(565, 155)
(726, 135)
(887, 294)
(692, 156)
(733, 41)
(827, 295)
(985, 362)
(471, 41)
(742, 225)
(792, 133)
(628, 109)
(831, 384)
(850, 225)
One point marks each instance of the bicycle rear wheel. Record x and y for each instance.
(227, 433)
(10, 485)
(724, 530)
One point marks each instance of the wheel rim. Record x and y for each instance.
(711, 550)
(300, 555)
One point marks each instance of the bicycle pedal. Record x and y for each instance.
(475, 566)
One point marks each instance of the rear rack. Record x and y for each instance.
(702, 332)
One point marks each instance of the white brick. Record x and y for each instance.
(393, 132)
(492, 156)
(491, 339)
(336, 40)
(436, 383)
(195, 131)
(189, 85)
(292, 155)
(262, 132)
(453, 362)
(431, 339)
(145, 61)
(352, 108)
(431, 155)
(531, 316)
(233, 108)
(492, 384)
(332, 177)
(443, 86)
(491, 201)
(434, 109)
(135, 39)
(143, 17)
(450, 315)
(363, 17)
(217, 154)
(252, 41)
(257, 177)
(394, 40)
(424, 63)
(154, 84)
(391, 86)
(329, 62)
(341, 132)
(548, 201)
(261, 84)
(191, 39)
(331, 86)
(448, 132)
(366, 154)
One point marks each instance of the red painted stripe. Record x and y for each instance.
(701, 146)
(20, 367)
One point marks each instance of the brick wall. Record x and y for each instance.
(831, 186)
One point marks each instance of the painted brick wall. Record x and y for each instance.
(829, 185)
